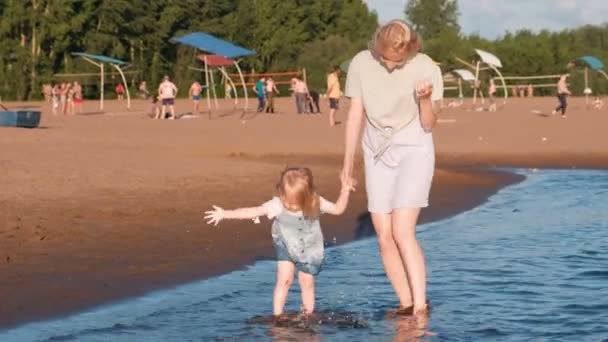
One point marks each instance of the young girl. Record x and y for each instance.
(296, 231)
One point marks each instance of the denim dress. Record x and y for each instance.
(298, 240)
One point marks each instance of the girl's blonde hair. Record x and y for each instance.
(299, 182)
(396, 36)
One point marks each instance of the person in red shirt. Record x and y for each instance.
(120, 90)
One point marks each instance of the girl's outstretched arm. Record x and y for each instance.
(339, 207)
(218, 214)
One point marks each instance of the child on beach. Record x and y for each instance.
(296, 231)
(598, 103)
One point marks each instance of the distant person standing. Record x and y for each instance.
(227, 90)
(271, 90)
(167, 92)
(313, 103)
(562, 95)
(63, 98)
(300, 90)
(143, 90)
(56, 96)
(78, 98)
(530, 91)
(46, 91)
(491, 93)
(120, 90)
(258, 89)
(195, 94)
(333, 93)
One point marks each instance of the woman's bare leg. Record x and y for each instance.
(404, 232)
(391, 258)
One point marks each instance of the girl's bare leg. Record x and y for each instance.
(285, 270)
(307, 285)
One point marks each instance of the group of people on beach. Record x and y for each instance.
(65, 98)
(395, 95)
(306, 100)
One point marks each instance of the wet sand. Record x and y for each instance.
(100, 207)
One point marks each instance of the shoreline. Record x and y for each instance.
(99, 208)
(70, 289)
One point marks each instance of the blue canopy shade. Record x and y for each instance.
(208, 43)
(593, 62)
(100, 58)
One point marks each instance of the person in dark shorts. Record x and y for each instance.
(313, 102)
(167, 92)
(333, 93)
(562, 95)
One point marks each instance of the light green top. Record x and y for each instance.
(389, 97)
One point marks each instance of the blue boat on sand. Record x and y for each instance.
(20, 118)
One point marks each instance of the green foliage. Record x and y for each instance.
(432, 17)
(37, 38)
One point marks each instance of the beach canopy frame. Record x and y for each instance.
(593, 63)
(99, 61)
(216, 46)
(463, 75)
(491, 62)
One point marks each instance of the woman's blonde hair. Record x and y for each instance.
(396, 36)
(299, 182)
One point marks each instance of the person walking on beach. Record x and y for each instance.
(562, 95)
(167, 92)
(271, 90)
(396, 91)
(296, 231)
(333, 93)
(491, 93)
(195, 94)
(258, 89)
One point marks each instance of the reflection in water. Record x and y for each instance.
(411, 328)
(308, 328)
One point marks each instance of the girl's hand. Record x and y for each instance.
(424, 89)
(214, 216)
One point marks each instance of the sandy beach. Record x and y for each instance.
(98, 207)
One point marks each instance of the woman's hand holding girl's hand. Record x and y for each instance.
(214, 216)
(424, 89)
(348, 182)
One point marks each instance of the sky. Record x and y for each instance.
(492, 18)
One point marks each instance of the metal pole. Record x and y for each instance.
(236, 95)
(236, 64)
(213, 88)
(207, 83)
(124, 81)
(476, 84)
(101, 95)
(586, 85)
